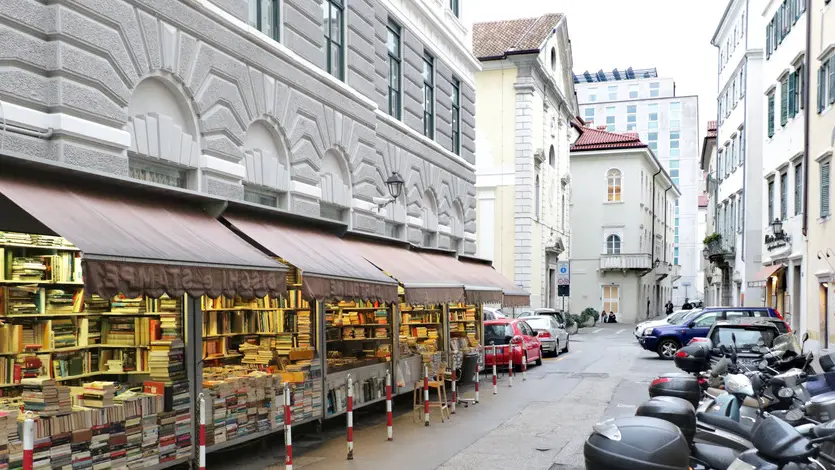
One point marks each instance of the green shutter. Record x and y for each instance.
(831, 68)
(784, 102)
(821, 88)
(793, 94)
(771, 115)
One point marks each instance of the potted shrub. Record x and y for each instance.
(589, 317)
(571, 325)
(713, 242)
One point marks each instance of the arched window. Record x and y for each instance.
(537, 197)
(613, 186)
(552, 157)
(613, 245)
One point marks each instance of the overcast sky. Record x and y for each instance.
(671, 35)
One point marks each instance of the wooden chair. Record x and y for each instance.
(437, 382)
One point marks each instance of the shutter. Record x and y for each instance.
(825, 189)
(831, 67)
(801, 86)
(793, 94)
(821, 88)
(784, 102)
(771, 114)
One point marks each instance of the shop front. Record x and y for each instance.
(772, 281)
(100, 289)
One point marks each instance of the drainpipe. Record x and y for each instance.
(747, 141)
(807, 116)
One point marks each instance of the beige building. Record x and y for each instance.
(524, 111)
(623, 226)
(820, 141)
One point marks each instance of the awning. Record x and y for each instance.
(761, 278)
(146, 246)
(513, 296)
(477, 289)
(331, 269)
(423, 283)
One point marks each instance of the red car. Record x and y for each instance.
(507, 334)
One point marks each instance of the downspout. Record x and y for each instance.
(747, 141)
(807, 116)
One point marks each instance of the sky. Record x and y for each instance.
(670, 35)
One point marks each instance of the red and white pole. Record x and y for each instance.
(425, 395)
(350, 418)
(495, 375)
(510, 366)
(477, 380)
(288, 429)
(524, 368)
(201, 402)
(389, 430)
(454, 392)
(29, 442)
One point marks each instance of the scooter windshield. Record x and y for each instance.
(786, 343)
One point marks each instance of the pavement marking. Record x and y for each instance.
(619, 332)
(621, 405)
(597, 331)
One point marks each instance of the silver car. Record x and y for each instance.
(550, 331)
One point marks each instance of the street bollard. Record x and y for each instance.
(29, 441)
(524, 368)
(477, 380)
(201, 402)
(510, 367)
(288, 431)
(495, 376)
(350, 418)
(389, 430)
(425, 396)
(454, 393)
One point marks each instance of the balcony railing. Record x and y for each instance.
(625, 261)
(719, 250)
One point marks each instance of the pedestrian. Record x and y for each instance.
(687, 305)
(603, 316)
(612, 318)
(669, 307)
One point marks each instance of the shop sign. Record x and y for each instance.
(773, 242)
(757, 283)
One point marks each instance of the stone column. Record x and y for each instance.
(524, 186)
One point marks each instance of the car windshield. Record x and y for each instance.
(686, 317)
(498, 334)
(746, 337)
(678, 316)
(539, 323)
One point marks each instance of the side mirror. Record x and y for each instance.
(723, 349)
(805, 337)
(692, 324)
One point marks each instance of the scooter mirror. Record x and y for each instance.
(785, 392)
(794, 415)
(763, 365)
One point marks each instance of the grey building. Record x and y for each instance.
(307, 106)
(641, 102)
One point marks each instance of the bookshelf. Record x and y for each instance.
(421, 328)
(357, 334)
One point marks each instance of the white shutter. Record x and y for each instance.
(825, 189)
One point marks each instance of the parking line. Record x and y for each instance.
(597, 331)
(619, 332)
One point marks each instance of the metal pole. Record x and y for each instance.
(495, 377)
(350, 418)
(29, 441)
(510, 365)
(288, 431)
(201, 402)
(477, 380)
(425, 395)
(454, 394)
(389, 430)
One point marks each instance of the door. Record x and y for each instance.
(700, 328)
(611, 299)
(561, 334)
(530, 340)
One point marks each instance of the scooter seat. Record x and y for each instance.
(726, 424)
(713, 456)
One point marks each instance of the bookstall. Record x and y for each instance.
(97, 289)
(353, 304)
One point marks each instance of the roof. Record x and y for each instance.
(615, 74)
(711, 129)
(498, 39)
(598, 139)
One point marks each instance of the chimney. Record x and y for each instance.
(601, 128)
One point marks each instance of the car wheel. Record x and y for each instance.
(539, 359)
(567, 339)
(556, 352)
(667, 348)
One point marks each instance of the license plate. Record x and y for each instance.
(740, 465)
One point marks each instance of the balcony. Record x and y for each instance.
(676, 272)
(718, 251)
(609, 262)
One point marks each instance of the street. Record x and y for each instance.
(540, 423)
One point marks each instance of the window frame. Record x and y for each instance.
(614, 185)
(770, 199)
(275, 34)
(770, 114)
(798, 188)
(395, 109)
(784, 101)
(611, 126)
(784, 195)
(455, 7)
(614, 244)
(428, 95)
(456, 116)
(612, 90)
(654, 89)
(329, 41)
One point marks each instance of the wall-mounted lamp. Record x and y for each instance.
(777, 227)
(394, 183)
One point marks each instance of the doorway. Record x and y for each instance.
(823, 313)
(795, 304)
(611, 299)
(552, 288)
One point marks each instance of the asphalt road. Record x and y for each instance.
(540, 423)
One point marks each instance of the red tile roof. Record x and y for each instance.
(496, 39)
(711, 129)
(597, 139)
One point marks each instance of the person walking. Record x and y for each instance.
(687, 305)
(669, 307)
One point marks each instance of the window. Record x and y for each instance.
(675, 255)
(653, 116)
(741, 150)
(770, 116)
(456, 116)
(654, 89)
(652, 141)
(675, 116)
(394, 58)
(631, 117)
(705, 321)
(770, 200)
(825, 189)
(674, 164)
(455, 6)
(611, 299)
(588, 115)
(831, 69)
(332, 11)
(633, 91)
(784, 195)
(793, 94)
(613, 245)
(826, 81)
(537, 198)
(263, 15)
(262, 197)
(613, 92)
(157, 173)
(800, 80)
(731, 156)
(428, 95)
(741, 212)
(610, 119)
(613, 186)
(675, 149)
(720, 157)
(798, 189)
(784, 101)
(552, 157)
(592, 94)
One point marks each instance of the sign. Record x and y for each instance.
(686, 284)
(757, 283)
(563, 273)
(563, 291)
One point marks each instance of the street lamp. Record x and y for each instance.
(705, 253)
(394, 183)
(777, 227)
(657, 262)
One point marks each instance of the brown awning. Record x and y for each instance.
(331, 268)
(423, 283)
(147, 246)
(761, 278)
(513, 296)
(476, 289)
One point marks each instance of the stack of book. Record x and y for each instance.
(40, 395)
(117, 445)
(60, 451)
(96, 304)
(250, 352)
(284, 343)
(122, 332)
(48, 240)
(8, 425)
(166, 361)
(182, 417)
(59, 301)
(167, 436)
(41, 455)
(303, 327)
(99, 394)
(22, 301)
(150, 440)
(28, 269)
(80, 447)
(122, 304)
(15, 238)
(99, 446)
(381, 332)
(63, 333)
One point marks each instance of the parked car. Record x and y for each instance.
(493, 313)
(665, 340)
(551, 333)
(670, 319)
(560, 316)
(516, 334)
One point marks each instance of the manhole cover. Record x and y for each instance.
(589, 375)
